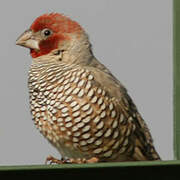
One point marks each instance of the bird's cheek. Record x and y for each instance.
(52, 42)
(46, 46)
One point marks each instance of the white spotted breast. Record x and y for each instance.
(68, 105)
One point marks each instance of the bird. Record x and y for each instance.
(76, 103)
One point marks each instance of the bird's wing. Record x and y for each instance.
(141, 137)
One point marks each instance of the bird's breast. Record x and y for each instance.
(73, 112)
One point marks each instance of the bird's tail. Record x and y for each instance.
(145, 152)
(143, 142)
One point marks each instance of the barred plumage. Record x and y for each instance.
(76, 103)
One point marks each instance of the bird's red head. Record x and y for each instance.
(49, 30)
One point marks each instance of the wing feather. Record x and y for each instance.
(141, 137)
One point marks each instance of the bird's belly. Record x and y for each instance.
(69, 152)
(77, 116)
(61, 140)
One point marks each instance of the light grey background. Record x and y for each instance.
(131, 37)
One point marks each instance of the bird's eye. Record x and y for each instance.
(46, 32)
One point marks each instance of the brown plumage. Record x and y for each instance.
(76, 103)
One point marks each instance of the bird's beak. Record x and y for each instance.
(27, 40)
